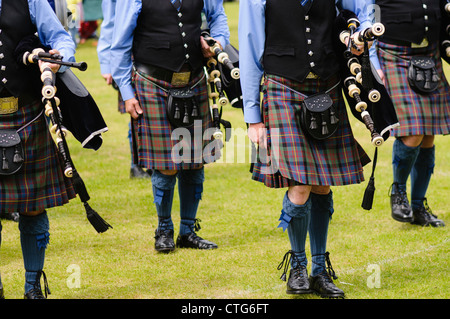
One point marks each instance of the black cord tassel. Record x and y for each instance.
(96, 220)
(369, 194)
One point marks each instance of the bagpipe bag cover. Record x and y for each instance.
(382, 112)
(81, 115)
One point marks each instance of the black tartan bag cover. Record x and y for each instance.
(11, 152)
(317, 116)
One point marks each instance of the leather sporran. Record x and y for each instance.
(182, 107)
(11, 152)
(422, 74)
(317, 117)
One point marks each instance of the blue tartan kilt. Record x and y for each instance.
(41, 183)
(337, 160)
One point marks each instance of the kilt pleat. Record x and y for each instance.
(158, 145)
(41, 183)
(337, 160)
(418, 114)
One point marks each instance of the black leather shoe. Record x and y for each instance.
(36, 291)
(323, 285)
(298, 282)
(164, 240)
(138, 172)
(424, 217)
(2, 296)
(401, 211)
(191, 240)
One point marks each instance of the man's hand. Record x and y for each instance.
(206, 49)
(108, 78)
(132, 106)
(55, 67)
(257, 134)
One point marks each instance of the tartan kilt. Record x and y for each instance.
(418, 114)
(337, 160)
(158, 146)
(41, 182)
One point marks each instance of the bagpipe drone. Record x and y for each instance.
(364, 91)
(223, 80)
(72, 110)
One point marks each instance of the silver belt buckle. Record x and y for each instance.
(312, 75)
(8, 105)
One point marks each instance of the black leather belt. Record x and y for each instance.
(183, 77)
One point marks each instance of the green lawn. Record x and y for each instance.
(240, 215)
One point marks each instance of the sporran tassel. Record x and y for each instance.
(5, 165)
(333, 118)
(17, 157)
(313, 124)
(324, 128)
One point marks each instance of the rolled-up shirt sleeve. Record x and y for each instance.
(127, 12)
(217, 21)
(50, 30)
(106, 32)
(251, 34)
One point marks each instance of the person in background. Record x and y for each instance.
(412, 32)
(158, 47)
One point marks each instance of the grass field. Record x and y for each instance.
(374, 256)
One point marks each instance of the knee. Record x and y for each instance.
(298, 195)
(412, 141)
(320, 190)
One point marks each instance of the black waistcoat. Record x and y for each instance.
(298, 42)
(15, 24)
(167, 38)
(410, 20)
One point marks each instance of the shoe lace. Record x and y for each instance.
(36, 290)
(427, 208)
(286, 262)
(328, 271)
(402, 199)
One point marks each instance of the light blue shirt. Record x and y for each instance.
(251, 47)
(50, 30)
(127, 12)
(106, 34)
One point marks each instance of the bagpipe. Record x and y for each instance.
(364, 91)
(223, 82)
(73, 110)
(444, 34)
